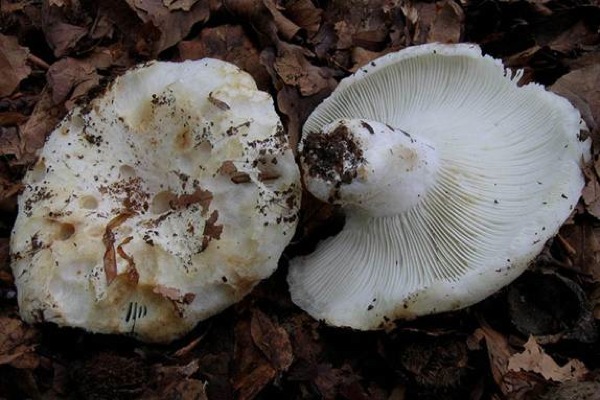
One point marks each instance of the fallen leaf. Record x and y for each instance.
(272, 340)
(286, 29)
(581, 88)
(305, 14)
(253, 371)
(175, 5)
(583, 239)
(534, 359)
(297, 108)
(229, 43)
(176, 382)
(71, 79)
(63, 37)
(447, 25)
(172, 25)
(591, 191)
(294, 69)
(513, 384)
(17, 344)
(13, 64)
(42, 121)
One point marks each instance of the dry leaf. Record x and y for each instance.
(514, 385)
(272, 340)
(229, 43)
(175, 5)
(448, 23)
(42, 121)
(581, 88)
(252, 369)
(583, 239)
(304, 14)
(63, 37)
(71, 79)
(591, 192)
(294, 69)
(13, 64)
(534, 359)
(172, 25)
(17, 344)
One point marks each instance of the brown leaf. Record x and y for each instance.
(583, 240)
(294, 69)
(581, 88)
(513, 384)
(175, 5)
(297, 108)
(434, 22)
(63, 37)
(447, 26)
(172, 25)
(591, 192)
(108, 239)
(229, 43)
(272, 340)
(304, 14)
(17, 344)
(13, 64)
(534, 359)
(71, 79)
(252, 370)
(175, 382)
(286, 29)
(42, 121)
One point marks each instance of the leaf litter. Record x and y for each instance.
(58, 53)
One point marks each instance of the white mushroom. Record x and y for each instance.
(452, 178)
(157, 205)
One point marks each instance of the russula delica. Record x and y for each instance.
(452, 178)
(157, 205)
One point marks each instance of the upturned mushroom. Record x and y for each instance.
(157, 205)
(452, 178)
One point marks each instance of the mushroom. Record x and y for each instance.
(157, 205)
(451, 177)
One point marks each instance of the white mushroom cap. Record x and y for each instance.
(157, 205)
(452, 178)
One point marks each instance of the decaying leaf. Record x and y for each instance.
(42, 121)
(228, 43)
(304, 14)
(13, 64)
(534, 359)
(294, 69)
(513, 384)
(434, 22)
(581, 88)
(173, 24)
(70, 79)
(583, 252)
(253, 371)
(17, 344)
(272, 340)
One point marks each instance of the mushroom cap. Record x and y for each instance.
(504, 177)
(157, 205)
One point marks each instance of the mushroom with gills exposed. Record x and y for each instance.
(451, 176)
(157, 205)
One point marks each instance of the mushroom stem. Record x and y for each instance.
(368, 166)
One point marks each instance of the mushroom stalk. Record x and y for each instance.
(344, 165)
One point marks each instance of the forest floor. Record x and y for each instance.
(537, 338)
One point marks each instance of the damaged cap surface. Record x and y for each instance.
(157, 205)
(452, 178)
